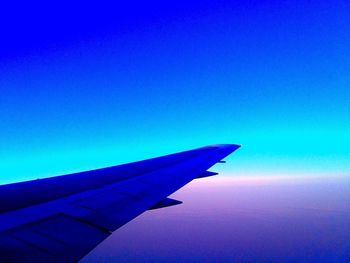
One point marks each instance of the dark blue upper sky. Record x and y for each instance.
(87, 85)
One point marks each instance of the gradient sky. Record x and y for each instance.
(88, 85)
(91, 85)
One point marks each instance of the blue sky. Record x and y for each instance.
(87, 86)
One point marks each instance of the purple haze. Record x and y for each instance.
(243, 219)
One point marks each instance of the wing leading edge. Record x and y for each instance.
(63, 218)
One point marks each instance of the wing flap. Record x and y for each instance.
(57, 238)
(206, 174)
(166, 203)
(14, 250)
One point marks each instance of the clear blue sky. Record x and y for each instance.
(90, 85)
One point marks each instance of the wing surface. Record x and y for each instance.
(61, 219)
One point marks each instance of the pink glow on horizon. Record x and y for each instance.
(227, 179)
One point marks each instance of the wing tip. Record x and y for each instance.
(231, 147)
(224, 145)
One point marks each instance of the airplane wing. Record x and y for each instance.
(62, 218)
